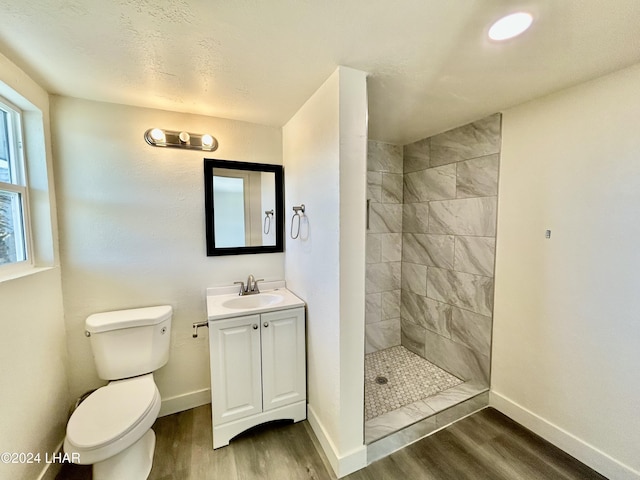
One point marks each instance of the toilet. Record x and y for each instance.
(111, 428)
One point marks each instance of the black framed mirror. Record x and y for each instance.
(244, 207)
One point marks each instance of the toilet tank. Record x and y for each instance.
(127, 343)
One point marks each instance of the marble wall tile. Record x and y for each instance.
(467, 216)
(475, 255)
(471, 329)
(415, 217)
(412, 337)
(385, 218)
(476, 139)
(374, 186)
(416, 155)
(374, 248)
(455, 358)
(391, 247)
(384, 157)
(427, 313)
(394, 420)
(464, 290)
(391, 304)
(463, 409)
(477, 177)
(372, 307)
(382, 277)
(385, 436)
(449, 226)
(454, 395)
(414, 278)
(392, 188)
(431, 184)
(426, 249)
(384, 245)
(381, 335)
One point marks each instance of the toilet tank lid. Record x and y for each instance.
(135, 317)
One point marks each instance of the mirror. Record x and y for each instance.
(244, 207)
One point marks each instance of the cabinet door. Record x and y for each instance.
(235, 368)
(283, 358)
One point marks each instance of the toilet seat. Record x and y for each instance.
(112, 418)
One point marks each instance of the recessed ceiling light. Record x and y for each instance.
(510, 26)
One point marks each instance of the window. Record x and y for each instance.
(14, 239)
(229, 198)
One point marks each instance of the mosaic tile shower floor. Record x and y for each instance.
(410, 378)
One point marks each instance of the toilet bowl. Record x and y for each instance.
(111, 428)
(112, 419)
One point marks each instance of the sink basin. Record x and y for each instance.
(253, 301)
(224, 302)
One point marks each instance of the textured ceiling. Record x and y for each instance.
(431, 67)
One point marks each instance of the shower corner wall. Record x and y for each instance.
(384, 246)
(448, 252)
(430, 260)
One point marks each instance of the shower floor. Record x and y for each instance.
(409, 378)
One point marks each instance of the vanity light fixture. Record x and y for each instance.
(510, 26)
(158, 137)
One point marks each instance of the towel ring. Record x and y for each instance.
(266, 228)
(296, 213)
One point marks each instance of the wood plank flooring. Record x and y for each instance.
(273, 451)
(486, 445)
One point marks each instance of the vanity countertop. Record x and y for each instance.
(224, 302)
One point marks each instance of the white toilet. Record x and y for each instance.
(111, 429)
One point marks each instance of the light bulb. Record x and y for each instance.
(157, 134)
(207, 140)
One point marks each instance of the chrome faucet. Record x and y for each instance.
(251, 287)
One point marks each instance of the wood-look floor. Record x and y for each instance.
(486, 445)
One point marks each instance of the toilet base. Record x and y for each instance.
(133, 463)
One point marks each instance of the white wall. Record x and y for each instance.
(34, 392)
(324, 151)
(566, 341)
(132, 229)
(353, 194)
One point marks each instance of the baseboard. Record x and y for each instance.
(51, 470)
(186, 401)
(574, 446)
(342, 465)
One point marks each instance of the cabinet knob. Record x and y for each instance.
(255, 326)
(265, 324)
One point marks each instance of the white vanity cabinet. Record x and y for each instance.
(258, 371)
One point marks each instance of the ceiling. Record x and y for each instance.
(430, 64)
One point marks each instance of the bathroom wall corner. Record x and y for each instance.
(34, 388)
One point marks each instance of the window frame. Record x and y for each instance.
(19, 182)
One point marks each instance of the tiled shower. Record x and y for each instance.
(429, 280)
